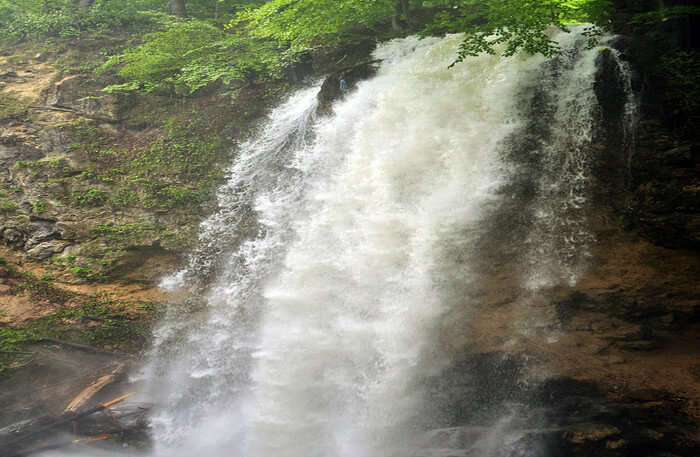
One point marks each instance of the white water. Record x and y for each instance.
(342, 243)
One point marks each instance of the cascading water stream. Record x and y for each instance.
(343, 242)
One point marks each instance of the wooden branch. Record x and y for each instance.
(93, 388)
(52, 108)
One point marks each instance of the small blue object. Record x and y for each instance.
(343, 85)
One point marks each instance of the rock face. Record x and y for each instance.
(331, 88)
(80, 94)
(53, 204)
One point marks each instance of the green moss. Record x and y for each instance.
(38, 207)
(41, 289)
(54, 168)
(70, 262)
(13, 107)
(90, 197)
(7, 206)
(111, 324)
(12, 342)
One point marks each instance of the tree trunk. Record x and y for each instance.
(405, 10)
(85, 5)
(396, 18)
(177, 8)
(401, 10)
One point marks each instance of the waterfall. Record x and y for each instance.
(344, 244)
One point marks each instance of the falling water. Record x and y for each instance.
(343, 242)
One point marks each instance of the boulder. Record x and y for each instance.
(47, 249)
(40, 231)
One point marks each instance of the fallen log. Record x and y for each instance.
(13, 444)
(93, 388)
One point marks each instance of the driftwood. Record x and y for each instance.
(93, 388)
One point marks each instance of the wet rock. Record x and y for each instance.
(40, 231)
(123, 418)
(47, 249)
(583, 433)
(331, 88)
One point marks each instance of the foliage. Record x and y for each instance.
(681, 69)
(171, 168)
(190, 55)
(514, 25)
(111, 323)
(665, 14)
(511, 26)
(303, 23)
(90, 197)
(39, 19)
(39, 207)
(6, 204)
(41, 289)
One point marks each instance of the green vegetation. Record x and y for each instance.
(39, 207)
(516, 25)
(90, 197)
(7, 206)
(98, 319)
(79, 271)
(41, 289)
(12, 107)
(173, 170)
(190, 55)
(238, 43)
(665, 14)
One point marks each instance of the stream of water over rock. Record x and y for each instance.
(344, 242)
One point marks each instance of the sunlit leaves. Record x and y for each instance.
(303, 23)
(190, 55)
(512, 26)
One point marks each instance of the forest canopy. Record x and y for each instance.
(181, 46)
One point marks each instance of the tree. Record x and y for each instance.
(177, 8)
(303, 23)
(402, 9)
(85, 5)
(518, 25)
(189, 55)
(513, 25)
